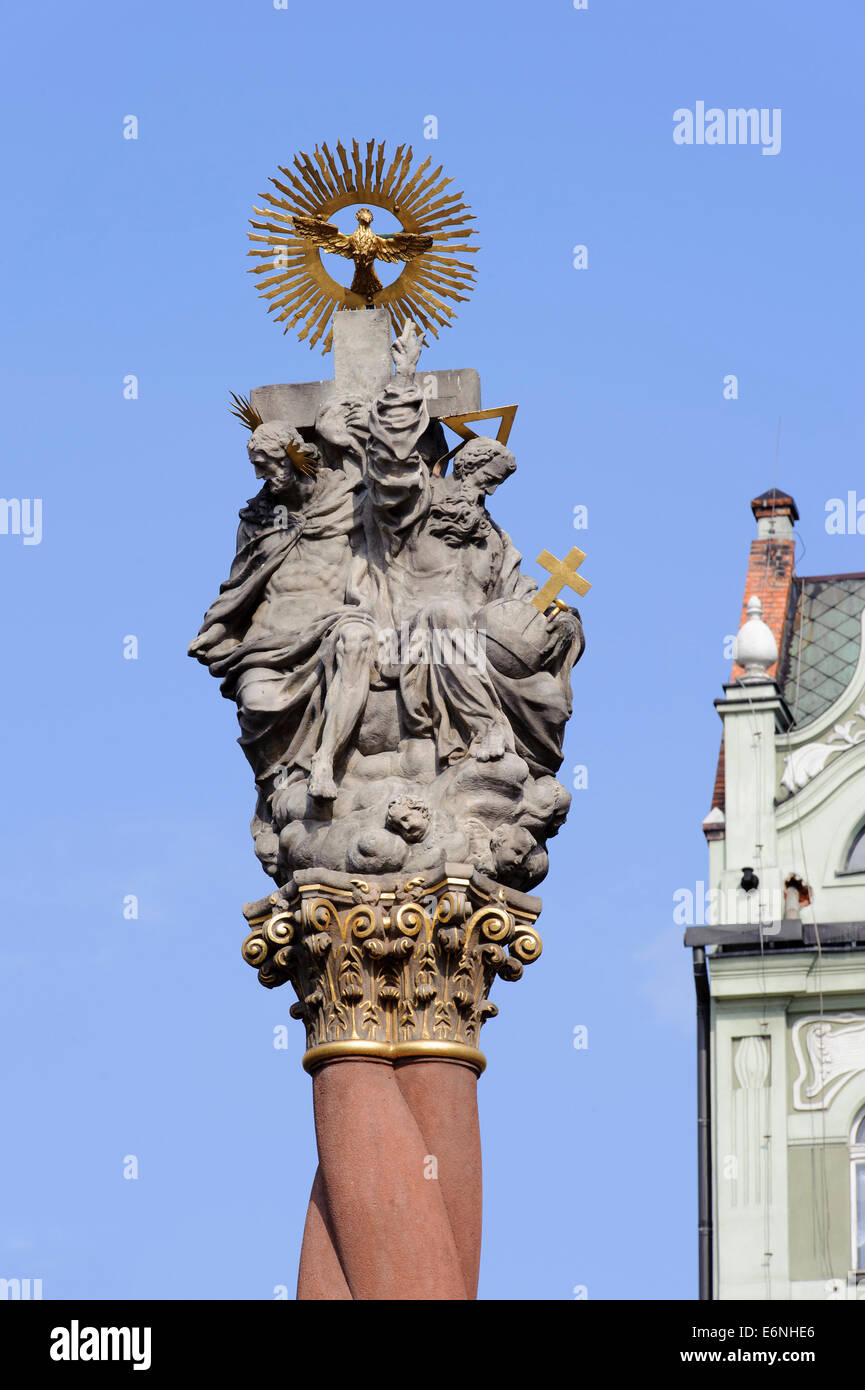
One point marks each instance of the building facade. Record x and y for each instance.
(780, 969)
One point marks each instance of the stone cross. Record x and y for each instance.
(362, 366)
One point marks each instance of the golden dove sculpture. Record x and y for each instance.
(364, 247)
(434, 242)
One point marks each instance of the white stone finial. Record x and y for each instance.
(755, 648)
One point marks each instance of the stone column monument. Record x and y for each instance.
(402, 689)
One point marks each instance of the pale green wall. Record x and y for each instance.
(819, 1187)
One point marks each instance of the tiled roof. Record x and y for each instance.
(821, 642)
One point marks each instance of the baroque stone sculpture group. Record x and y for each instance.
(399, 700)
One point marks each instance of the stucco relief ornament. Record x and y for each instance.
(803, 764)
(829, 1050)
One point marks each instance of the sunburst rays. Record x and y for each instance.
(296, 285)
(243, 409)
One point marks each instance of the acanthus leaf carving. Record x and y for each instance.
(409, 967)
(803, 764)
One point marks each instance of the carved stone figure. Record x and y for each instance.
(375, 634)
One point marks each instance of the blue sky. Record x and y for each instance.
(150, 1036)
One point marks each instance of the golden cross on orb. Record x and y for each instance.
(562, 573)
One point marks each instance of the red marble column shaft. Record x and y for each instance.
(395, 1210)
(443, 1097)
(321, 1275)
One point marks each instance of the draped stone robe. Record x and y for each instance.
(291, 589)
(449, 566)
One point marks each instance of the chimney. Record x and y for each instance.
(770, 565)
(769, 578)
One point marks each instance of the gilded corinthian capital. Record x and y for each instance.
(392, 969)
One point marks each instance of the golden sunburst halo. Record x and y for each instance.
(296, 284)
